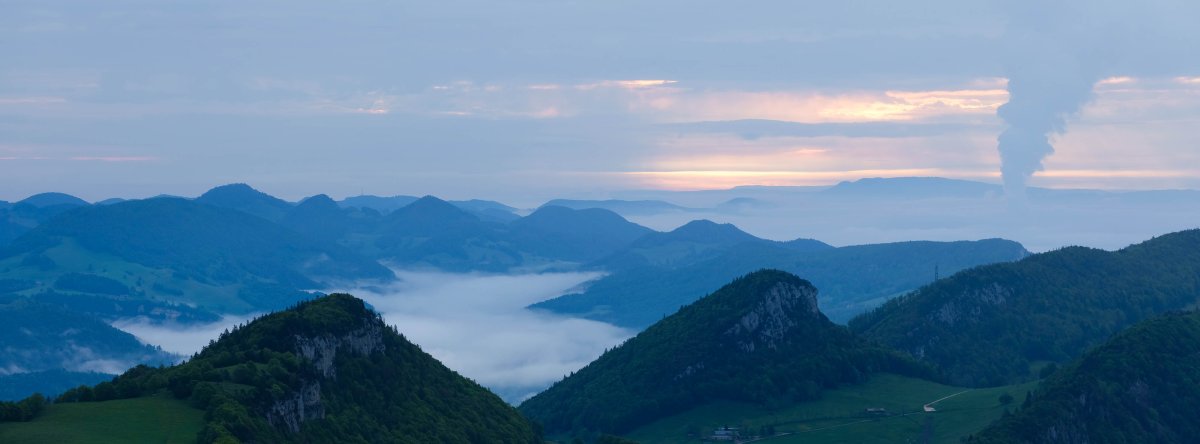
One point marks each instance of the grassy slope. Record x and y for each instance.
(838, 416)
(71, 257)
(153, 419)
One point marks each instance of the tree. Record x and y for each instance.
(23, 410)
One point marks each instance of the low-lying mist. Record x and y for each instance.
(181, 339)
(476, 324)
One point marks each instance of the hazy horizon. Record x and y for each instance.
(524, 201)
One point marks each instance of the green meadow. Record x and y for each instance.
(154, 419)
(841, 415)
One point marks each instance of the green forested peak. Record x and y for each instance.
(1140, 386)
(325, 370)
(758, 339)
(991, 324)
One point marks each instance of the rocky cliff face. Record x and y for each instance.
(971, 305)
(970, 308)
(783, 307)
(321, 350)
(304, 404)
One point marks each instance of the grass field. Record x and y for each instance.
(155, 419)
(839, 417)
(69, 256)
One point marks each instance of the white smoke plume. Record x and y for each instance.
(1052, 64)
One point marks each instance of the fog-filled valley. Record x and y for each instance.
(583, 318)
(518, 298)
(476, 324)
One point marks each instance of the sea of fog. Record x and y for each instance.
(476, 324)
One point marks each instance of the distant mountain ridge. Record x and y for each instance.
(485, 209)
(53, 199)
(383, 205)
(576, 235)
(617, 205)
(318, 217)
(154, 249)
(18, 218)
(431, 232)
(705, 231)
(915, 187)
(693, 242)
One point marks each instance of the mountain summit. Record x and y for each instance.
(246, 199)
(326, 370)
(758, 339)
(581, 235)
(53, 199)
(704, 230)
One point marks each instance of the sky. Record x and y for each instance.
(526, 100)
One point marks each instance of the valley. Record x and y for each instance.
(515, 303)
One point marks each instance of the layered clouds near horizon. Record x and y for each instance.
(514, 100)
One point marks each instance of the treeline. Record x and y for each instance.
(23, 410)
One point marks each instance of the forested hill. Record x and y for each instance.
(760, 339)
(992, 325)
(1140, 387)
(170, 250)
(241, 197)
(327, 370)
(20, 217)
(213, 243)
